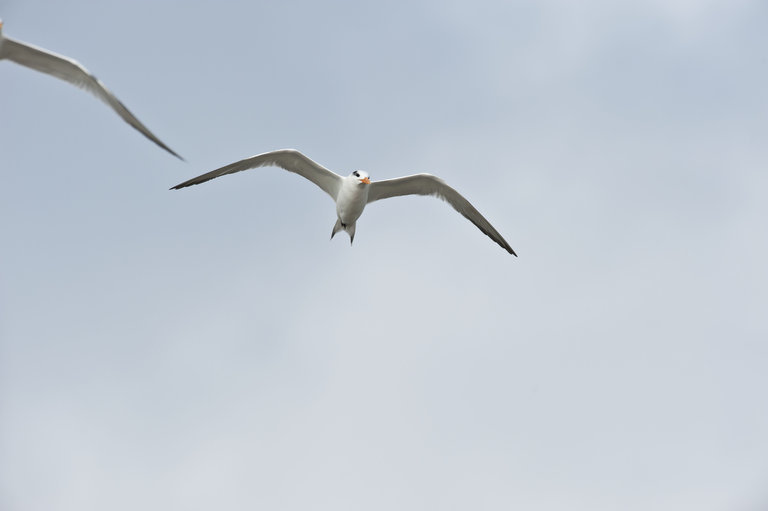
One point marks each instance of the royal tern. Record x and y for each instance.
(353, 192)
(73, 72)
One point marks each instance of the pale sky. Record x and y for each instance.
(210, 348)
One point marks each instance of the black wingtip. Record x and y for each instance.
(177, 155)
(183, 185)
(159, 143)
(179, 186)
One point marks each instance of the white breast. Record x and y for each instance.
(351, 200)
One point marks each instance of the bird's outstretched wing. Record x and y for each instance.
(287, 159)
(73, 72)
(427, 184)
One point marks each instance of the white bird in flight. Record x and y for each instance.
(73, 72)
(353, 192)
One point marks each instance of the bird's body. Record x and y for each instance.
(73, 72)
(353, 192)
(350, 203)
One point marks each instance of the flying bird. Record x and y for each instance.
(73, 72)
(354, 192)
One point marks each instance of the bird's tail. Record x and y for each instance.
(344, 227)
(336, 228)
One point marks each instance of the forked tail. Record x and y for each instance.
(344, 227)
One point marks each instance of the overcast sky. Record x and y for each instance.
(210, 348)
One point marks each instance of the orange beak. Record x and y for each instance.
(366, 180)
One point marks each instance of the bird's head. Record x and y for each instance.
(1, 26)
(362, 176)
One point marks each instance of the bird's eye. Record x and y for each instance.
(356, 174)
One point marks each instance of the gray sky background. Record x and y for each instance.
(210, 348)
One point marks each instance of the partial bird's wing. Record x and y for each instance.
(287, 159)
(427, 184)
(73, 72)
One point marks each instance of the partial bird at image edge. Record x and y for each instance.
(73, 72)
